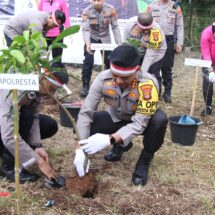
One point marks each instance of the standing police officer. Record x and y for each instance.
(168, 14)
(146, 34)
(131, 96)
(96, 19)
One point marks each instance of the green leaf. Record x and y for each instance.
(24, 69)
(5, 52)
(35, 44)
(57, 45)
(1, 68)
(1, 57)
(26, 35)
(43, 40)
(134, 42)
(36, 35)
(18, 56)
(55, 59)
(69, 31)
(19, 39)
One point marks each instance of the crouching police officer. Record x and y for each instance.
(150, 40)
(131, 96)
(33, 127)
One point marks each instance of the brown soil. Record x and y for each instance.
(85, 186)
(4, 211)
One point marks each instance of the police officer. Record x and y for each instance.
(131, 96)
(146, 34)
(208, 53)
(40, 21)
(168, 14)
(96, 19)
(33, 127)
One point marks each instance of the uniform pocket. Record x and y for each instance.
(93, 20)
(107, 20)
(132, 102)
(171, 16)
(156, 14)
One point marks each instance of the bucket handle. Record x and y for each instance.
(199, 123)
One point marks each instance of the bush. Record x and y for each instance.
(198, 14)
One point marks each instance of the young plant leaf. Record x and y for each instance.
(71, 30)
(19, 39)
(18, 55)
(26, 35)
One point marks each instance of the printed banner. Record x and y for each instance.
(7, 7)
(125, 8)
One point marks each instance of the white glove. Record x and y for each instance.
(212, 77)
(95, 143)
(79, 162)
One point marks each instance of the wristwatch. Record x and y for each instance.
(112, 140)
(39, 145)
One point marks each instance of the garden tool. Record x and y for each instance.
(55, 182)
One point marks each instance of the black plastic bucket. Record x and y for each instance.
(183, 134)
(73, 109)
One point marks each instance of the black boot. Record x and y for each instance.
(140, 175)
(207, 111)
(116, 153)
(167, 96)
(7, 170)
(85, 89)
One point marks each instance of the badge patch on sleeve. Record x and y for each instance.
(179, 11)
(114, 13)
(85, 17)
(148, 99)
(155, 39)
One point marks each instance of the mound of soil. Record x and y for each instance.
(86, 187)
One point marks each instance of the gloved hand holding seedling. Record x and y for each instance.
(91, 145)
(81, 161)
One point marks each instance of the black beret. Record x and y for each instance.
(60, 17)
(125, 56)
